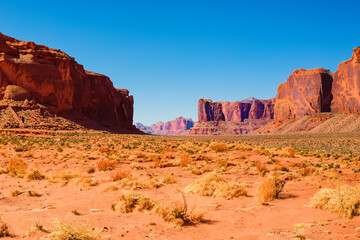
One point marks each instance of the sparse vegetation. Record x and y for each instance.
(343, 200)
(214, 186)
(74, 231)
(270, 189)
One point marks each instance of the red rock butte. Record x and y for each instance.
(56, 80)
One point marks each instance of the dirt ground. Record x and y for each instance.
(76, 177)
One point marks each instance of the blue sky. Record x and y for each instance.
(171, 53)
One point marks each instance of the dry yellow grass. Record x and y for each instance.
(16, 168)
(270, 189)
(169, 179)
(131, 182)
(343, 200)
(218, 146)
(214, 186)
(118, 175)
(185, 159)
(135, 202)
(4, 230)
(64, 177)
(105, 165)
(74, 231)
(34, 174)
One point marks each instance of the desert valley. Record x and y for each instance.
(73, 165)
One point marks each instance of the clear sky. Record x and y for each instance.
(170, 53)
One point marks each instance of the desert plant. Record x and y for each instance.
(16, 168)
(4, 230)
(214, 186)
(343, 200)
(135, 202)
(131, 182)
(105, 165)
(118, 175)
(270, 189)
(169, 179)
(34, 174)
(218, 147)
(72, 231)
(185, 159)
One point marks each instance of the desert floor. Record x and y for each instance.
(78, 177)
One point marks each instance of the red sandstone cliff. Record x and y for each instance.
(178, 126)
(54, 78)
(346, 85)
(305, 92)
(236, 111)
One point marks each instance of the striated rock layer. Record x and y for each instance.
(305, 92)
(55, 79)
(235, 111)
(179, 126)
(346, 85)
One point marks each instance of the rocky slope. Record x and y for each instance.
(57, 81)
(179, 126)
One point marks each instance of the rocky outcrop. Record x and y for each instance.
(262, 109)
(305, 92)
(55, 79)
(346, 85)
(236, 111)
(179, 126)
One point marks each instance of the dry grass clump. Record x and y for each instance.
(270, 189)
(63, 177)
(105, 165)
(118, 175)
(180, 215)
(73, 231)
(131, 182)
(288, 152)
(185, 159)
(261, 167)
(16, 193)
(307, 171)
(169, 179)
(343, 200)
(214, 186)
(16, 168)
(34, 174)
(218, 147)
(32, 193)
(135, 202)
(4, 230)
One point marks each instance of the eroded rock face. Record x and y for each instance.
(304, 93)
(178, 126)
(54, 78)
(235, 111)
(346, 85)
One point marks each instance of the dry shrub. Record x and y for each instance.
(288, 152)
(343, 200)
(36, 227)
(169, 179)
(135, 202)
(64, 177)
(180, 215)
(34, 174)
(105, 165)
(110, 188)
(86, 182)
(156, 159)
(261, 167)
(4, 230)
(194, 169)
(307, 171)
(73, 231)
(270, 189)
(16, 193)
(118, 175)
(131, 182)
(218, 147)
(16, 168)
(214, 186)
(185, 159)
(103, 149)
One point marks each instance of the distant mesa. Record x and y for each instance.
(179, 126)
(56, 85)
(232, 118)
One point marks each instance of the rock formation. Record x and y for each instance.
(235, 111)
(179, 126)
(304, 93)
(346, 85)
(56, 80)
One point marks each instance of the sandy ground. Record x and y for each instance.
(289, 217)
